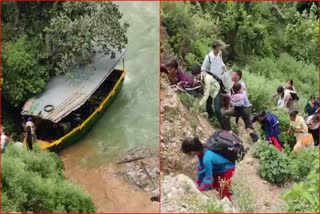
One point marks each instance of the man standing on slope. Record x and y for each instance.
(213, 64)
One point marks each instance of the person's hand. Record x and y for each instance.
(224, 68)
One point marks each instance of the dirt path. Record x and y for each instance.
(265, 195)
(109, 192)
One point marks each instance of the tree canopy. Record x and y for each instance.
(45, 39)
(32, 181)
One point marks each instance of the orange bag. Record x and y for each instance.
(306, 140)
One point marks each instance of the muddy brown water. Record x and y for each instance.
(131, 120)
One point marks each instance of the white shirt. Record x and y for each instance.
(283, 102)
(4, 140)
(312, 123)
(216, 65)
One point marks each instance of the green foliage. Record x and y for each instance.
(243, 197)
(42, 40)
(280, 167)
(22, 74)
(80, 28)
(33, 181)
(304, 196)
(253, 29)
(303, 74)
(302, 41)
(186, 99)
(259, 98)
(273, 164)
(302, 163)
(214, 207)
(190, 31)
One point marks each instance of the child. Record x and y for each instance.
(240, 101)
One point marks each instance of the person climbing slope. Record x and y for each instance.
(211, 89)
(300, 129)
(176, 76)
(241, 108)
(214, 170)
(288, 99)
(213, 64)
(270, 124)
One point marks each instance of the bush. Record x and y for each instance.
(23, 76)
(304, 75)
(301, 163)
(304, 196)
(273, 164)
(280, 167)
(187, 99)
(32, 181)
(259, 98)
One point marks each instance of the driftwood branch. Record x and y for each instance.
(149, 176)
(130, 160)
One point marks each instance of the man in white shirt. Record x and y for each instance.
(213, 64)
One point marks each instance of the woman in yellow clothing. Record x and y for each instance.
(300, 129)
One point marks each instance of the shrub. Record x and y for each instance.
(260, 98)
(32, 181)
(301, 163)
(304, 196)
(23, 76)
(284, 68)
(280, 167)
(186, 99)
(273, 164)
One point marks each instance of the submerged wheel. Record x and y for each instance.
(48, 108)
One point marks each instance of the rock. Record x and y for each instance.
(265, 182)
(170, 102)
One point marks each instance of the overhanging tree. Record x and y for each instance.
(56, 38)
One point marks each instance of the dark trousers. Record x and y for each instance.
(217, 108)
(244, 113)
(30, 139)
(315, 135)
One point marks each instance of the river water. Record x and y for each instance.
(132, 119)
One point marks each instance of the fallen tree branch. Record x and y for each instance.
(130, 160)
(149, 176)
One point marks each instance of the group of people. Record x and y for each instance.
(225, 100)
